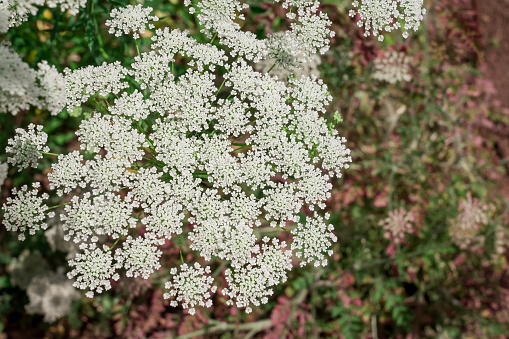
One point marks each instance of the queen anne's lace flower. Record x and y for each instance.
(251, 284)
(398, 223)
(15, 12)
(464, 229)
(113, 134)
(25, 267)
(313, 240)
(164, 220)
(472, 213)
(138, 256)
(22, 87)
(67, 173)
(192, 286)
(204, 158)
(392, 67)
(132, 105)
(25, 211)
(380, 15)
(82, 83)
(93, 270)
(89, 217)
(52, 86)
(18, 88)
(51, 294)
(27, 146)
(130, 19)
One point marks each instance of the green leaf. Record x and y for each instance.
(76, 112)
(4, 282)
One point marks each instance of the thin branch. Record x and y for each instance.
(220, 327)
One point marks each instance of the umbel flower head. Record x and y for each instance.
(130, 19)
(392, 67)
(27, 146)
(221, 156)
(22, 87)
(51, 294)
(26, 211)
(398, 223)
(15, 12)
(380, 15)
(464, 229)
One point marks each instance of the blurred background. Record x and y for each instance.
(421, 214)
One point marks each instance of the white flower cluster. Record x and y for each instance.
(312, 240)
(398, 223)
(52, 86)
(464, 229)
(231, 157)
(130, 19)
(93, 268)
(25, 267)
(27, 146)
(26, 211)
(309, 32)
(82, 83)
(380, 15)
(18, 87)
(51, 294)
(15, 12)
(192, 286)
(22, 87)
(392, 67)
(472, 213)
(251, 283)
(306, 68)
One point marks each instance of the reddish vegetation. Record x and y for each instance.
(493, 20)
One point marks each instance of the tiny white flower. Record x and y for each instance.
(130, 19)
(27, 146)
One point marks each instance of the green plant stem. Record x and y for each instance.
(137, 48)
(180, 249)
(53, 207)
(224, 80)
(270, 69)
(47, 153)
(212, 40)
(114, 244)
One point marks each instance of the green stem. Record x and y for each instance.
(154, 162)
(224, 80)
(47, 153)
(270, 69)
(53, 207)
(180, 249)
(212, 40)
(284, 229)
(114, 244)
(137, 48)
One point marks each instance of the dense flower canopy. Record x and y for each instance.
(218, 156)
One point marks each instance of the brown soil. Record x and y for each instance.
(494, 28)
(493, 21)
